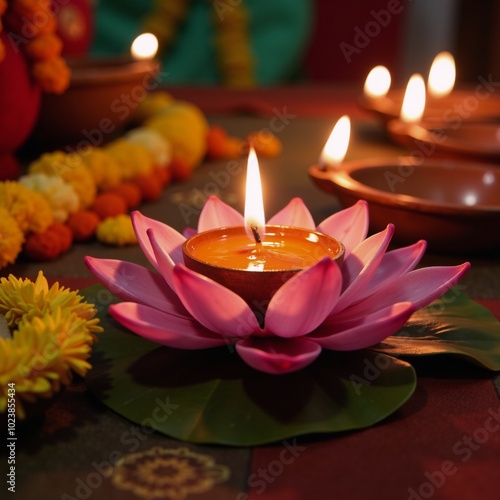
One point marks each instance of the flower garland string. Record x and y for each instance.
(71, 197)
(32, 26)
(232, 36)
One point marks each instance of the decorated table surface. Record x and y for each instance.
(440, 439)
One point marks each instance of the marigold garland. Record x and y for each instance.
(104, 182)
(52, 333)
(32, 26)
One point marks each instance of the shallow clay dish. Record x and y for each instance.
(478, 139)
(454, 205)
(459, 106)
(101, 99)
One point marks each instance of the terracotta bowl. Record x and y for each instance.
(477, 139)
(454, 205)
(100, 100)
(465, 104)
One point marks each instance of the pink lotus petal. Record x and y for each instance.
(394, 264)
(163, 328)
(360, 266)
(216, 213)
(277, 356)
(363, 331)
(350, 225)
(305, 300)
(214, 306)
(294, 214)
(166, 236)
(164, 262)
(135, 283)
(420, 287)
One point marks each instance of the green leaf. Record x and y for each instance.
(211, 396)
(451, 325)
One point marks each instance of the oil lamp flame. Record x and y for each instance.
(441, 75)
(144, 47)
(255, 220)
(377, 82)
(336, 147)
(414, 100)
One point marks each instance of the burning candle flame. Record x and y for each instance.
(144, 47)
(441, 75)
(414, 100)
(377, 82)
(255, 220)
(336, 147)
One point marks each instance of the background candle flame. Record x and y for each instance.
(377, 82)
(414, 100)
(144, 47)
(254, 204)
(336, 147)
(441, 75)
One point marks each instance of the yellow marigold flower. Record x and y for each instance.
(57, 194)
(71, 168)
(30, 209)
(11, 238)
(133, 159)
(42, 216)
(185, 127)
(116, 231)
(104, 169)
(153, 103)
(154, 142)
(41, 355)
(22, 298)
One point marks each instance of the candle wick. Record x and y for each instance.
(256, 234)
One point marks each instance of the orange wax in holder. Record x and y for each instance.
(256, 270)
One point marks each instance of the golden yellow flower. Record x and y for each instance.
(53, 330)
(23, 298)
(185, 127)
(116, 231)
(70, 167)
(104, 169)
(134, 159)
(11, 238)
(29, 209)
(42, 354)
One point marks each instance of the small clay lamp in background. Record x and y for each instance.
(101, 98)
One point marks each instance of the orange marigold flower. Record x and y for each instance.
(163, 175)
(42, 246)
(83, 224)
(150, 188)
(44, 47)
(130, 192)
(109, 205)
(32, 18)
(52, 75)
(265, 143)
(64, 234)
